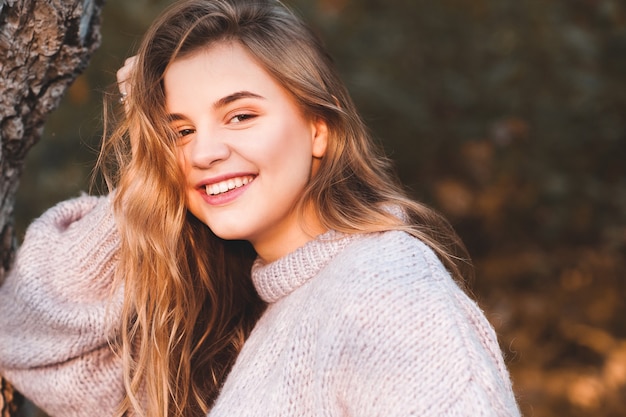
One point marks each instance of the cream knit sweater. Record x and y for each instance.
(366, 326)
(356, 326)
(55, 307)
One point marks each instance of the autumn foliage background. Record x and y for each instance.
(507, 116)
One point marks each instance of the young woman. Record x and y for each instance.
(238, 135)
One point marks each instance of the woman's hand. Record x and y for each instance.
(123, 78)
(124, 84)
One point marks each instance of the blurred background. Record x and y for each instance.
(507, 116)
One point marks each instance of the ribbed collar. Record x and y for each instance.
(278, 279)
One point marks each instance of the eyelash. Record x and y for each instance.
(184, 132)
(238, 118)
(242, 117)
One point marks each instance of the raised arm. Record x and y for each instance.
(58, 311)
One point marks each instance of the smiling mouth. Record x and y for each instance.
(228, 185)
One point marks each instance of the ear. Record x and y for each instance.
(319, 138)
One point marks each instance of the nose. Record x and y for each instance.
(207, 149)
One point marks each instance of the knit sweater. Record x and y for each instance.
(369, 325)
(356, 326)
(57, 311)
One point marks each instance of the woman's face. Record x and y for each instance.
(245, 147)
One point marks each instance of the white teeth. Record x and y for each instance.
(225, 186)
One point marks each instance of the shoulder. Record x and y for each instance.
(57, 300)
(70, 251)
(83, 210)
(393, 279)
(388, 257)
(400, 312)
(392, 287)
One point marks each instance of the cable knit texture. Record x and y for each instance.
(366, 325)
(57, 311)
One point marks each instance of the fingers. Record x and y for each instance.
(124, 76)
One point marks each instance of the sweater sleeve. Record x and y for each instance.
(412, 342)
(58, 311)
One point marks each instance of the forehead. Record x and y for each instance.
(218, 71)
(217, 60)
(217, 63)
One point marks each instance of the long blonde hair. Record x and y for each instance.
(189, 301)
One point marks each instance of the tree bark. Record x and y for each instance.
(44, 46)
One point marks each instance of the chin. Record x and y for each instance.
(228, 233)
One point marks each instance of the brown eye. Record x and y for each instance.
(241, 117)
(185, 132)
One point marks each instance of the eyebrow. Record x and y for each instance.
(222, 102)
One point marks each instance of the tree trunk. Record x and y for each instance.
(44, 45)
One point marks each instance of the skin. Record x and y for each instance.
(246, 149)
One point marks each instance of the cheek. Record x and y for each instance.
(288, 158)
(292, 143)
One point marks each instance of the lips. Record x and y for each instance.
(227, 185)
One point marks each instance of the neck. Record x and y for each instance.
(285, 240)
